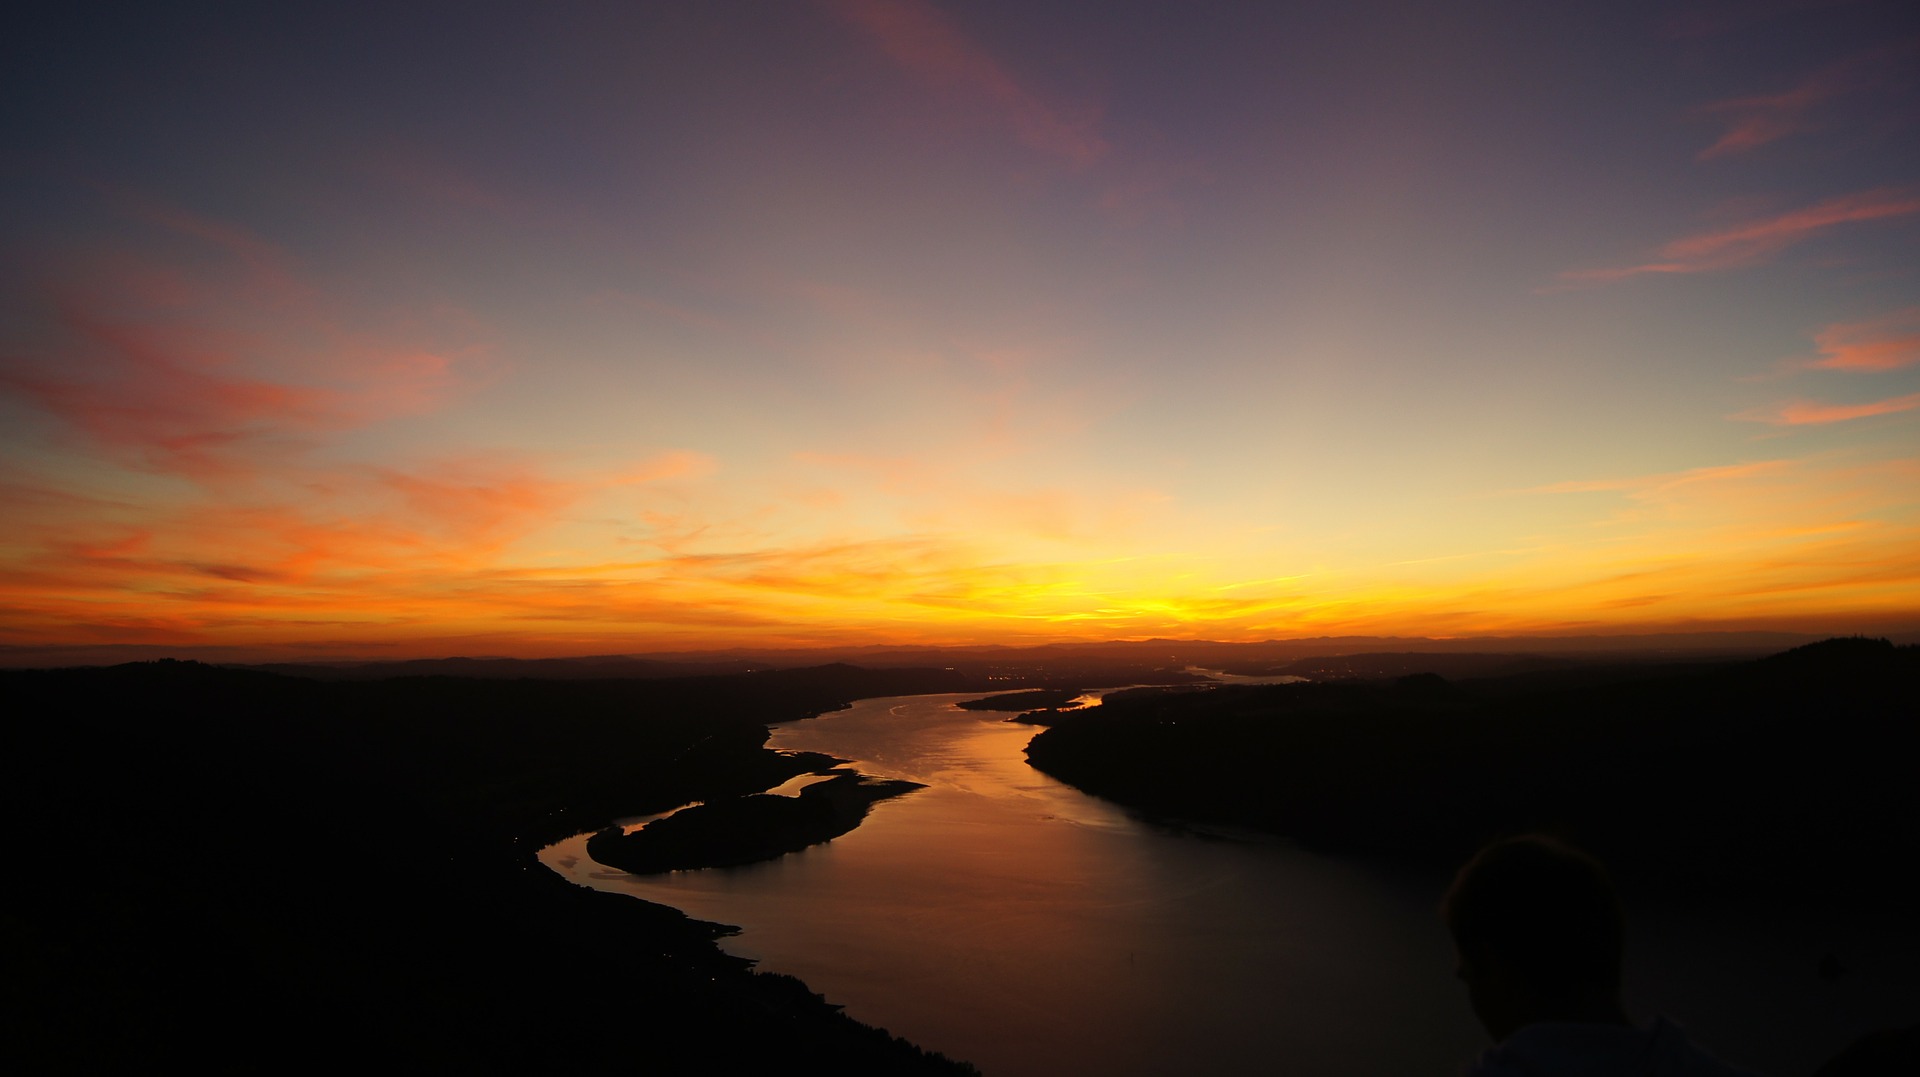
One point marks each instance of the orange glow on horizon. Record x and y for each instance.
(910, 321)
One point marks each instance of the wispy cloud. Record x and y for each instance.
(924, 42)
(1758, 241)
(1667, 481)
(177, 399)
(1814, 413)
(1760, 119)
(161, 397)
(1755, 121)
(216, 362)
(265, 271)
(1885, 343)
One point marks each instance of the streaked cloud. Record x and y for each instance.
(1885, 343)
(1757, 120)
(164, 403)
(1759, 241)
(220, 362)
(179, 398)
(1646, 485)
(1813, 413)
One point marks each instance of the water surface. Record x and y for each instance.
(1006, 919)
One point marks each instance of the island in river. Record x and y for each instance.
(743, 830)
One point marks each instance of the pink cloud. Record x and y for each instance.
(924, 42)
(1886, 343)
(217, 362)
(1812, 412)
(1757, 120)
(177, 398)
(1757, 241)
(160, 396)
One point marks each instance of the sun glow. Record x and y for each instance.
(883, 322)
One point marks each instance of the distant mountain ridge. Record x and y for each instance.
(1210, 653)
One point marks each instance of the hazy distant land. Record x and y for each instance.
(1050, 661)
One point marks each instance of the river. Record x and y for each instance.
(1006, 919)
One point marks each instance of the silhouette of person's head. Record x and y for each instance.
(1538, 932)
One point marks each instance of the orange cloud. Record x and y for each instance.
(679, 464)
(1886, 343)
(477, 506)
(1755, 242)
(924, 42)
(1810, 412)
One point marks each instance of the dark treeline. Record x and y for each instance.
(233, 868)
(1788, 777)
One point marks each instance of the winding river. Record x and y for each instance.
(1006, 919)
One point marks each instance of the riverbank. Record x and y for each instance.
(232, 865)
(1787, 778)
(1006, 919)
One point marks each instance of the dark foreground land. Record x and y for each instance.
(235, 869)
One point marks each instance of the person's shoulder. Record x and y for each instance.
(1554, 1049)
(1670, 1051)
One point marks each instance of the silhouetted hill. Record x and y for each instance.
(612, 667)
(1376, 666)
(1102, 663)
(1791, 774)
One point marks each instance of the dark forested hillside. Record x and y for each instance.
(1791, 775)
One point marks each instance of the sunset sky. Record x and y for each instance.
(409, 329)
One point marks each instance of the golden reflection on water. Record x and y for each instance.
(1006, 919)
